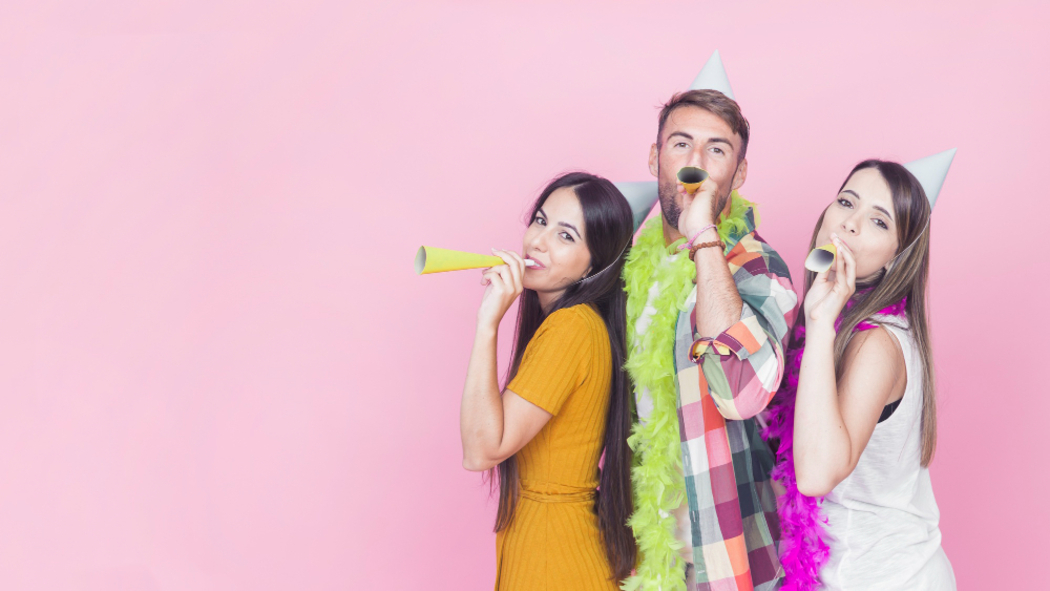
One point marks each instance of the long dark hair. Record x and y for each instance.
(907, 276)
(609, 227)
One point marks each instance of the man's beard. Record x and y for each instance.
(671, 210)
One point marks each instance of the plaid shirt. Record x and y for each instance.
(726, 465)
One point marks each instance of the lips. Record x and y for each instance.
(848, 247)
(538, 265)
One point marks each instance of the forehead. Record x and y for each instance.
(699, 123)
(564, 206)
(871, 187)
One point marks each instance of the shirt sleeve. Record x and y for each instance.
(743, 366)
(556, 361)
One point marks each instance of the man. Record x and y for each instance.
(705, 359)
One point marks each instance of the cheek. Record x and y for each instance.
(569, 260)
(888, 252)
(834, 216)
(670, 163)
(874, 257)
(530, 234)
(719, 168)
(824, 233)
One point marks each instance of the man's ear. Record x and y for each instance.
(654, 161)
(741, 175)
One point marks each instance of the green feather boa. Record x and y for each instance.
(658, 486)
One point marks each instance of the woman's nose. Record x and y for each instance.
(538, 241)
(850, 224)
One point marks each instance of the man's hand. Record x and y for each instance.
(698, 209)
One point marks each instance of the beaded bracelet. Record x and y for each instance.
(692, 251)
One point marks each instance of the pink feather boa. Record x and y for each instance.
(803, 551)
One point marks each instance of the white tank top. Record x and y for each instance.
(882, 519)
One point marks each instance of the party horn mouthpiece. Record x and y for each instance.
(692, 177)
(821, 258)
(438, 260)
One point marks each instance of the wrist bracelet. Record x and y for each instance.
(692, 241)
(692, 251)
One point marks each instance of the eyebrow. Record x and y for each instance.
(565, 224)
(714, 140)
(875, 207)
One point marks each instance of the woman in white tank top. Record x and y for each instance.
(856, 419)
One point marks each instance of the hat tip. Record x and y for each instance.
(931, 172)
(713, 76)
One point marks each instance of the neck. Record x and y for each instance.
(726, 208)
(547, 299)
(670, 232)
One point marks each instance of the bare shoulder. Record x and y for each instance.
(874, 350)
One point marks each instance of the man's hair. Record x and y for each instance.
(714, 102)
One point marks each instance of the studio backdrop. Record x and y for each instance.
(218, 367)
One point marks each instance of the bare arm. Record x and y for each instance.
(740, 322)
(834, 418)
(718, 304)
(494, 427)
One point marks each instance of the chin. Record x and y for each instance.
(535, 285)
(868, 276)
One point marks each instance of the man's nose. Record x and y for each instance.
(696, 158)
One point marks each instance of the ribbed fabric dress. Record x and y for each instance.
(554, 543)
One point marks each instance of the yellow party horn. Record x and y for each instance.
(821, 258)
(692, 177)
(438, 260)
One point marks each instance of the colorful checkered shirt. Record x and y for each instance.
(726, 465)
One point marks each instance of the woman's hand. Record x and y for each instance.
(503, 287)
(828, 295)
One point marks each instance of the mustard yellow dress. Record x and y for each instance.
(554, 543)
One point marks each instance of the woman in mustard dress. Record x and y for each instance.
(562, 521)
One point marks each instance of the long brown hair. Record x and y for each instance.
(609, 227)
(907, 276)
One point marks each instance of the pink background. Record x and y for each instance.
(217, 368)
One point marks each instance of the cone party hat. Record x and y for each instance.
(931, 172)
(643, 195)
(713, 77)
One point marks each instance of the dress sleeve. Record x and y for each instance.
(556, 361)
